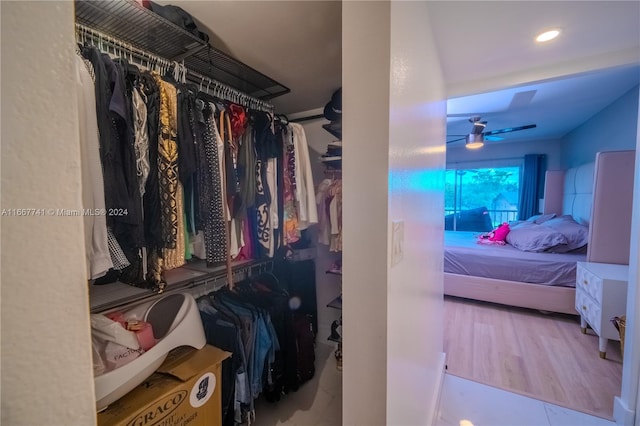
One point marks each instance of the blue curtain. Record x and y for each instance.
(535, 167)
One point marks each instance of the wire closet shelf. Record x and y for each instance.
(150, 61)
(133, 26)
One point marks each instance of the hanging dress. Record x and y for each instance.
(173, 208)
(209, 185)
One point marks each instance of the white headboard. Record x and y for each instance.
(598, 194)
(577, 197)
(570, 192)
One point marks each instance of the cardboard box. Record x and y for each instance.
(185, 390)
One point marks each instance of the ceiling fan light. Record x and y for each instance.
(474, 145)
(547, 36)
(474, 141)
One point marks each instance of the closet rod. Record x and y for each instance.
(219, 89)
(311, 117)
(206, 285)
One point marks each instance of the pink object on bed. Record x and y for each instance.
(500, 234)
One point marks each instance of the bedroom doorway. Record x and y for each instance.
(499, 337)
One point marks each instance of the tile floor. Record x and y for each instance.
(462, 403)
(317, 402)
(482, 405)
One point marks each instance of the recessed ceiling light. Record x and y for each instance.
(547, 35)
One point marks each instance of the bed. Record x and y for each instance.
(597, 194)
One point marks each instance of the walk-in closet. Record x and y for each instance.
(211, 216)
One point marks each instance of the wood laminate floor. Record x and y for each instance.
(544, 356)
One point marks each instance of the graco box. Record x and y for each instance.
(185, 390)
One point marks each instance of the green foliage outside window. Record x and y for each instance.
(497, 189)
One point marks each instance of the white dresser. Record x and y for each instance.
(601, 294)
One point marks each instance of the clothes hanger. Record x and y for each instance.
(131, 52)
(176, 71)
(283, 119)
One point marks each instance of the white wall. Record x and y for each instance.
(365, 131)
(629, 399)
(612, 129)
(497, 153)
(47, 373)
(393, 161)
(417, 133)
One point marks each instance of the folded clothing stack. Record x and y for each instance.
(333, 156)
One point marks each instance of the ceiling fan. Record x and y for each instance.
(475, 139)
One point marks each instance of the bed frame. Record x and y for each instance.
(512, 293)
(598, 194)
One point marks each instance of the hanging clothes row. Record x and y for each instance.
(255, 322)
(329, 203)
(180, 174)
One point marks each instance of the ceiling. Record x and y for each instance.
(556, 106)
(484, 46)
(497, 71)
(296, 43)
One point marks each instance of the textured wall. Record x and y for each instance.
(416, 199)
(394, 158)
(46, 358)
(629, 399)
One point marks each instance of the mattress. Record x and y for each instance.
(464, 256)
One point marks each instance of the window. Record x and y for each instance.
(481, 198)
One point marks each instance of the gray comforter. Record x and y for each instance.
(464, 256)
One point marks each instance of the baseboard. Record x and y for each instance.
(435, 402)
(621, 413)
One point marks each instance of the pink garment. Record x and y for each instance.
(500, 234)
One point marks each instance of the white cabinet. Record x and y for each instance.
(601, 294)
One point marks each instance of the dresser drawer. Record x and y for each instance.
(589, 283)
(589, 309)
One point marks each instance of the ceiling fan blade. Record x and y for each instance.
(493, 138)
(509, 130)
(459, 139)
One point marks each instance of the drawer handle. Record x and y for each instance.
(584, 308)
(585, 282)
